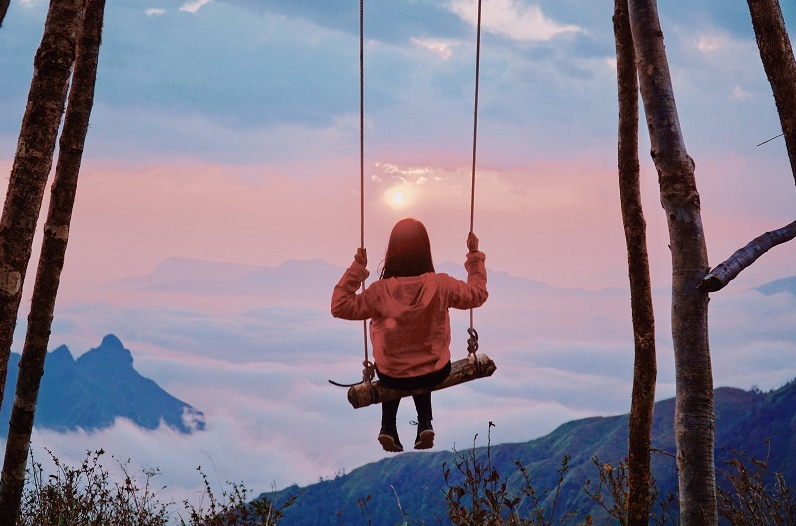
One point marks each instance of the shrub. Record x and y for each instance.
(752, 498)
(233, 509)
(85, 495)
(483, 496)
(610, 492)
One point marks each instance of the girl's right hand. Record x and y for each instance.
(361, 257)
(472, 242)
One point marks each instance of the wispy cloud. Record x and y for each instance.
(439, 48)
(738, 93)
(154, 11)
(194, 6)
(513, 19)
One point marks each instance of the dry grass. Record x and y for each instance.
(87, 495)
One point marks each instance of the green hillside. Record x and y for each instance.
(745, 421)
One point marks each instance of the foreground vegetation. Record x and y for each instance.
(476, 494)
(87, 495)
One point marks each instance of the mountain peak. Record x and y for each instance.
(61, 354)
(111, 341)
(780, 285)
(95, 390)
(110, 352)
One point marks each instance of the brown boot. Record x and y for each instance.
(388, 437)
(425, 435)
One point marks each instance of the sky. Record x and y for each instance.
(224, 146)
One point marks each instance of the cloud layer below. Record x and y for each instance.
(252, 347)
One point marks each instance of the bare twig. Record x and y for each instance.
(771, 139)
(720, 276)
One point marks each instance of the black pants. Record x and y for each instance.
(389, 410)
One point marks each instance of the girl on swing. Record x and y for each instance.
(409, 322)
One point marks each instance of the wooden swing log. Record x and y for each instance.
(462, 371)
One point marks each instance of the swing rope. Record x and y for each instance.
(368, 368)
(475, 115)
(472, 341)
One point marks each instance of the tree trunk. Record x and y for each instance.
(32, 162)
(3, 9)
(694, 412)
(51, 261)
(645, 368)
(778, 61)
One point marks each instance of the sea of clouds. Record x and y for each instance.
(252, 347)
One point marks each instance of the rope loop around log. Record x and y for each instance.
(472, 341)
(368, 371)
(472, 349)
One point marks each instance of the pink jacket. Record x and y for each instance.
(410, 327)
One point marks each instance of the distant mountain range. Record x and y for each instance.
(780, 285)
(90, 393)
(413, 483)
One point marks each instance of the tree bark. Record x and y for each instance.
(365, 394)
(727, 271)
(3, 9)
(33, 160)
(51, 261)
(777, 55)
(694, 411)
(645, 367)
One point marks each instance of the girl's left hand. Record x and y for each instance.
(361, 257)
(472, 242)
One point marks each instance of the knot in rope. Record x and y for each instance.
(472, 349)
(472, 341)
(368, 371)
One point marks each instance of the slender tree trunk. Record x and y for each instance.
(645, 369)
(3, 9)
(778, 61)
(51, 261)
(694, 412)
(32, 162)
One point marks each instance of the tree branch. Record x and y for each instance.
(719, 277)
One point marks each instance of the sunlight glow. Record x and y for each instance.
(397, 196)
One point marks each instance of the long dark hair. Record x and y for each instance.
(408, 251)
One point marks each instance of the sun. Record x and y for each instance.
(397, 197)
